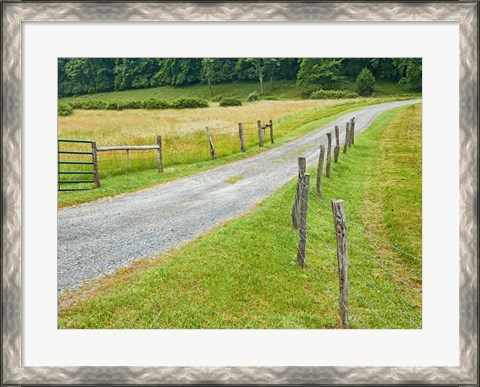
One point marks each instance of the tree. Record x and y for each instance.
(208, 72)
(365, 82)
(323, 72)
(262, 67)
(411, 72)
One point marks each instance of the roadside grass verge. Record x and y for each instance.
(243, 275)
(188, 154)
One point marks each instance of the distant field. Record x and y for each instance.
(188, 153)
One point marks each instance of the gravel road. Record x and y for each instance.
(97, 238)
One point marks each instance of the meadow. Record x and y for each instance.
(184, 140)
(243, 274)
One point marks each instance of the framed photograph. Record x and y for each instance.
(239, 193)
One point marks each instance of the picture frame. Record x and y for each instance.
(14, 13)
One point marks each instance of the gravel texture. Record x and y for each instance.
(96, 239)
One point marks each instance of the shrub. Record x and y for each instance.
(253, 96)
(270, 98)
(365, 82)
(154, 103)
(333, 94)
(189, 103)
(65, 109)
(92, 104)
(231, 101)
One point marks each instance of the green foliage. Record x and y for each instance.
(365, 82)
(189, 103)
(231, 101)
(77, 76)
(65, 109)
(253, 96)
(320, 72)
(90, 104)
(333, 94)
(411, 72)
(155, 103)
(270, 98)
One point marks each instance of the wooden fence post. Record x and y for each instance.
(242, 137)
(271, 131)
(302, 166)
(128, 159)
(302, 244)
(96, 176)
(319, 170)
(340, 222)
(260, 134)
(347, 137)
(336, 150)
(352, 130)
(329, 154)
(213, 153)
(159, 154)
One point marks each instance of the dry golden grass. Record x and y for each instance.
(140, 127)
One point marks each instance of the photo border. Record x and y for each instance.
(14, 13)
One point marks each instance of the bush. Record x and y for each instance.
(65, 109)
(270, 98)
(253, 97)
(90, 104)
(333, 94)
(231, 101)
(365, 82)
(154, 103)
(189, 103)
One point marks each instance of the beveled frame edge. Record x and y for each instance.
(12, 17)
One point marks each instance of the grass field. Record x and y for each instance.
(242, 274)
(187, 153)
(281, 90)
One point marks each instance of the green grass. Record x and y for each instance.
(280, 89)
(117, 179)
(283, 89)
(243, 274)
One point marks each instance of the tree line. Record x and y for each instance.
(78, 76)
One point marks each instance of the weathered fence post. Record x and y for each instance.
(336, 150)
(96, 176)
(213, 153)
(302, 244)
(242, 137)
(271, 131)
(319, 170)
(329, 154)
(347, 137)
(340, 222)
(302, 165)
(128, 159)
(352, 130)
(260, 134)
(159, 154)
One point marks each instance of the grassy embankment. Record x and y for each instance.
(241, 275)
(279, 90)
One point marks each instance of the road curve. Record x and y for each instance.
(98, 238)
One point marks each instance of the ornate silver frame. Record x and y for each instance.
(14, 13)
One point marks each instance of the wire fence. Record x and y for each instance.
(384, 279)
(188, 148)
